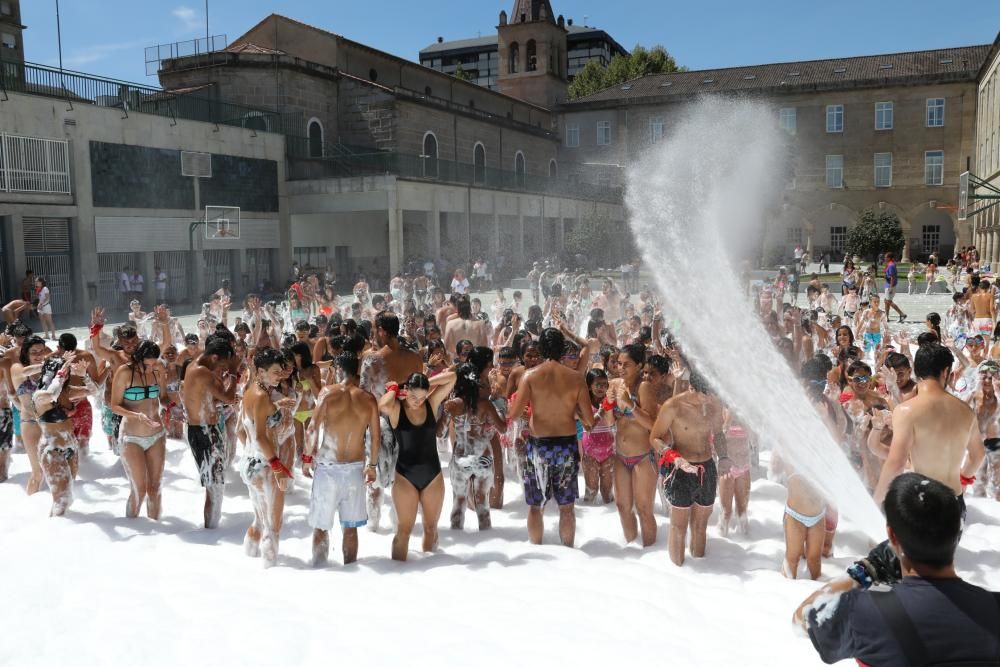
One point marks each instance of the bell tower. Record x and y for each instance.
(532, 51)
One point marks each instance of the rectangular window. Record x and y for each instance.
(835, 118)
(572, 136)
(931, 237)
(935, 112)
(838, 240)
(655, 128)
(5, 8)
(7, 40)
(883, 115)
(786, 119)
(834, 171)
(883, 170)
(604, 133)
(934, 167)
(793, 235)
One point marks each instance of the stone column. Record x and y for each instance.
(237, 270)
(395, 235)
(495, 238)
(434, 230)
(561, 234)
(994, 255)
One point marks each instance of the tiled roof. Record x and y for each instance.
(956, 64)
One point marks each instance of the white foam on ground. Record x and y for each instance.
(94, 588)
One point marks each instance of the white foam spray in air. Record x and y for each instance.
(708, 186)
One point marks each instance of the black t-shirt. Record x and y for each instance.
(954, 619)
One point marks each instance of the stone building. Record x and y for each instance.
(986, 161)
(398, 162)
(892, 131)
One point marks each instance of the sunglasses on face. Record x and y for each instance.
(861, 379)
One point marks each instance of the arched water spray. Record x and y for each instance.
(707, 187)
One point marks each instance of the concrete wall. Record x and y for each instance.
(51, 118)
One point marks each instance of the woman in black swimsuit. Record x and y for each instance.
(411, 411)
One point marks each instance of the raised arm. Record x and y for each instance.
(899, 451)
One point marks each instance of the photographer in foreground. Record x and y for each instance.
(930, 616)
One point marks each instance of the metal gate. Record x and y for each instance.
(175, 264)
(217, 269)
(5, 265)
(257, 277)
(311, 258)
(47, 252)
(110, 266)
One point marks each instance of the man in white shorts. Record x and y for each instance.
(334, 456)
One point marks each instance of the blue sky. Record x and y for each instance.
(107, 37)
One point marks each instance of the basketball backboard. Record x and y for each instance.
(963, 196)
(222, 223)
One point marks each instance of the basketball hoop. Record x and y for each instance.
(946, 207)
(222, 223)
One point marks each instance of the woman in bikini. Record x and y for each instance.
(804, 523)
(135, 395)
(411, 411)
(635, 468)
(475, 421)
(598, 445)
(308, 383)
(734, 484)
(25, 374)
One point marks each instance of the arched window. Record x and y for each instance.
(515, 58)
(519, 169)
(315, 138)
(479, 162)
(532, 52)
(553, 170)
(430, 156)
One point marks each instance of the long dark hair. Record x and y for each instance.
(302, 349)
(29, 343)
(147, 349)
(935, 321)
(593, 375)
(417, 381)
(467, 385)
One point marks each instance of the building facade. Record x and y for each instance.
(890, 131)
(479, 57)
(400, 162)
(986, 166)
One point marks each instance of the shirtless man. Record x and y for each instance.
(935, 431)
(390, 362)
(201, 389)
(556, 394)
(985, 306)
(464, 327)
(335, 449)
(690, 475)
(82, 413)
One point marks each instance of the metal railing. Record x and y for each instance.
(34, 165)
(375, 163)
(78, 88)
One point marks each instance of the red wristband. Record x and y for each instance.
(669, 456)
(278, 466)
(306, 458)
(608, 406)
(967, 481)
(95, 330)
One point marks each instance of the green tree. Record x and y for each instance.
(461, 74)
(877, 231)
(641, 62)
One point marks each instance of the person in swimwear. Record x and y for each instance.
(58, 453)
(598, 446)
(689, 470)
(636, 399)
(475, 423)
(556, 395)
(410, 411)
(334, 457)
(25, 375)
(82, 413)
(308, 383)
(984, 402)
(267, 455)
(734, 486)
(135, 395)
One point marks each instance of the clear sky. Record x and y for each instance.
(106, 37)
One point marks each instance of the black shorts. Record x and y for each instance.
(685, 489)
(208, 446)
(6, 429)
